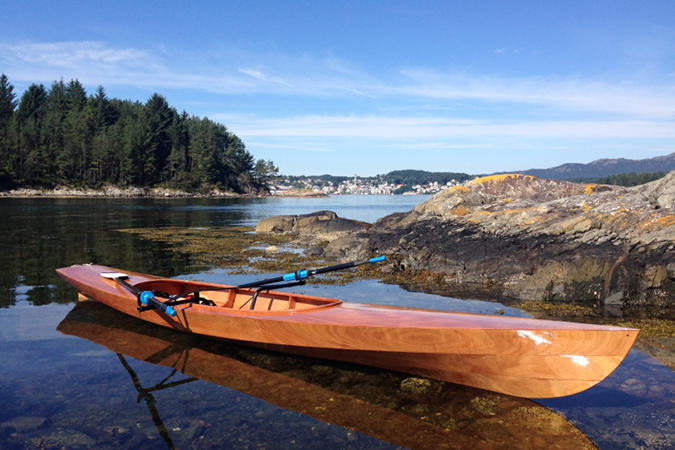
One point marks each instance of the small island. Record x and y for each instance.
(61, 139)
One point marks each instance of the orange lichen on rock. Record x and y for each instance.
(457, 188)
(590, 188)
(459, 211)
(501, 177)
(534, 219)
(661, 222)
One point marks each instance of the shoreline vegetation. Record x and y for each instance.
(321, 186)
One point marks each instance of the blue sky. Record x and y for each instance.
(366, 87)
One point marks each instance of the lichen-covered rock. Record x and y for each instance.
(517, 236)
(276, 224)
(324, 224)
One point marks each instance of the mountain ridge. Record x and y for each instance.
(604, 167)
(598, 168)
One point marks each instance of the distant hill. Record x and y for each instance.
(619, 171)
(410, 177)
(605, 167)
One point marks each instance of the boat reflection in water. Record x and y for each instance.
(397, 408)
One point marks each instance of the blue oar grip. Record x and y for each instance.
(298, 275)
(377, 259)
(148, 298)
(145, 297)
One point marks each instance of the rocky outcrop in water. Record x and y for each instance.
(521, 237)
(320, 224)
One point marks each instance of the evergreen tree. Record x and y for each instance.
(76, 96)
(241, 165)
(264, 172)
(7, 103)
(159, 118)
(206, 166)
(55, 116)
(104, 111)
(133, 147)
(179, 158)
(30, 160)
(7, 106)
(73, 160)
(63, 136)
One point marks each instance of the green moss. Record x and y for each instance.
(651, 328)
(558, 309)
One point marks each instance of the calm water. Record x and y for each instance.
(85, 376)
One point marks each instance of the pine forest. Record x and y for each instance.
(62, 136)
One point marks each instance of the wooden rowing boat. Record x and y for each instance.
(516, 356)
(374, 405)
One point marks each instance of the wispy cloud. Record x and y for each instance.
(98, 63)
(258, 75)
(305, 147)
(443, 127)
(570, 93)
(69, 54)
(331, 77)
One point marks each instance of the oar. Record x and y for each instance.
(298, 275)
(302, 274)
(146, 298)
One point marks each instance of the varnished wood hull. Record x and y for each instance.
(377, 406)
(516, 356)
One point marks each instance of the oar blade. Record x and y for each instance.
(114, 275)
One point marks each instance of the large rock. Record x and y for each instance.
(324, 224)
(517, 236)
(528, 238)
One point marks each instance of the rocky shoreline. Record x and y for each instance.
(517, 237)
(116, 192)
(140, 192)
(299, 193)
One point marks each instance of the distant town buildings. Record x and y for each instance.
(357, 186)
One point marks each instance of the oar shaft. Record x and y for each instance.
(293, 276)
(302, 274)
(347, 265)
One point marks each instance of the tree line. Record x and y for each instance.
(624, 179)
(62, 136)
(413, 177)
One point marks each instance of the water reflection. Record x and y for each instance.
(68, 392)
(403, 410)
(632, 408)
(41, 234)
(145, 395)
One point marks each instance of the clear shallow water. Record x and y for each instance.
(366, 208)
(71, 388)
